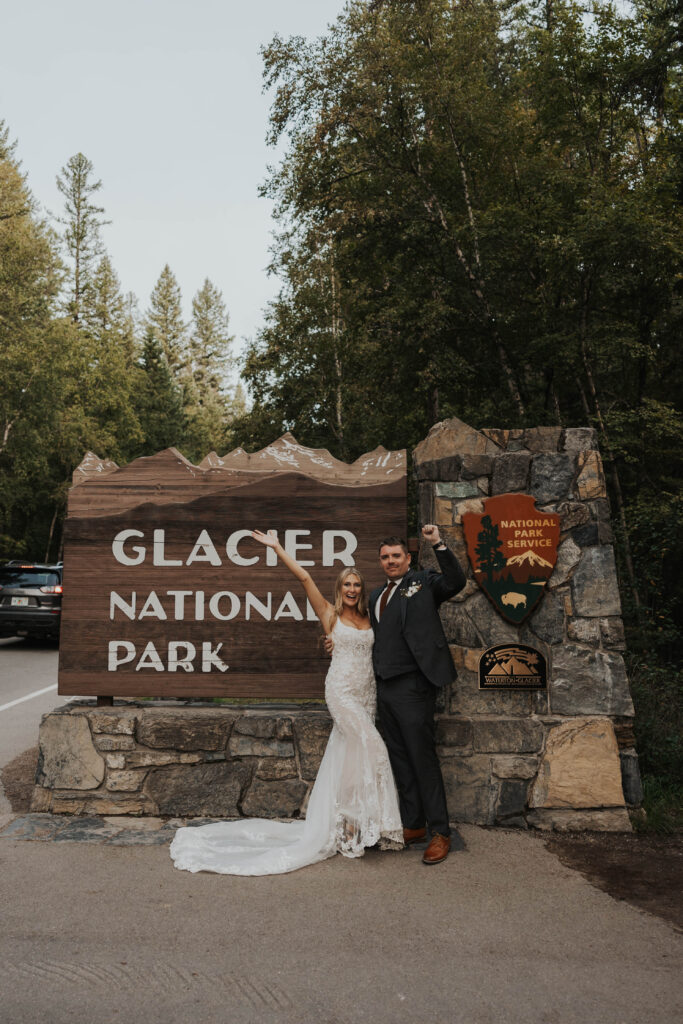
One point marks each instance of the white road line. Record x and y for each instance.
(29, 696)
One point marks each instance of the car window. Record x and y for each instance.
(28, 578)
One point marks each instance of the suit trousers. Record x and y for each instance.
(406, 706)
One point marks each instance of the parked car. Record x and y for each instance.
(30, 599)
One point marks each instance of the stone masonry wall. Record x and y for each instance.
(157, 759)
(565, 757)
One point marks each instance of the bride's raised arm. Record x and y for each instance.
(322, 608)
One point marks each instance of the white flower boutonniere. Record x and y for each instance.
(411, 591)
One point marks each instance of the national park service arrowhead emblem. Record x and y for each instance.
(513, 549)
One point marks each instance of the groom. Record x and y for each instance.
(412, 660)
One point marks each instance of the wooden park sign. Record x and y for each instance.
(167, 595)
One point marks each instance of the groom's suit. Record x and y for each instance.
(411, 660)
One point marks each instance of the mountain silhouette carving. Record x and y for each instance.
(530, 558)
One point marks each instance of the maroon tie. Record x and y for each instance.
(385, 597)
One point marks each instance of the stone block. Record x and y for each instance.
(443, 511)
(580, 766)
(464, 489)
(112, 804)
(470, 793)
(548, 621)
(556, 819)
(586, 536)
(612, 632)
(587, 682)
(114, 760)
(483, 485)
(425, 499)
(125, 781)
(586, 631)
(594, 584)
(630, 777)
(580, 439)
(439, 469)
(67, 758)
(499, 437)
(489, 624)
(512, 766)
(458, 626)
(448, 439)
(590, 483)
(185, 730)
(311, 736)
(571, 513)
(68, 805)
(113, 722)
(471, 585)
(252, 746)
(512, 798)
(542, 439)
(454, 732)
(41, 800)
(568, 557)
(276, 768)
(551, 476)
(474, 466)
(510, 472)
(264, 726)
(155, 758)
(204, 790)
(467, 699)
(108, 743)
(507, 735)
(461, 508)
(278, 799)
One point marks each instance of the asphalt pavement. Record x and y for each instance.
(98, 926)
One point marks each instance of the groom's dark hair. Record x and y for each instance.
(393, 542)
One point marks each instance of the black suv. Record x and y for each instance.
(30, 599)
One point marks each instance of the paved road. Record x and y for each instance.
(501, 933)
(26, 668)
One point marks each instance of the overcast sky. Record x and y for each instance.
(164, 97)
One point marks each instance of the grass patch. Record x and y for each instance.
(662, 810)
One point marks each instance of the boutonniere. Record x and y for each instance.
(410, 591)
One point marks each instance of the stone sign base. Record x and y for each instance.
(236, 761)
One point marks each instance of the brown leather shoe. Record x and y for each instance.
(414, 835)
(437, 849)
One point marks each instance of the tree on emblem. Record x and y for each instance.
(490, 557)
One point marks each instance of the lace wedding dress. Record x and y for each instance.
(353, 804)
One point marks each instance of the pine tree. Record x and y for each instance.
(82, 223)
(158, 400)
(165, 318)
(210, 341)
(488, 550)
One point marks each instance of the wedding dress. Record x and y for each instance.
(353, 803)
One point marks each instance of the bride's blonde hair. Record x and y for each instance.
(362, 605)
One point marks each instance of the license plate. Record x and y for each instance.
(20, 602)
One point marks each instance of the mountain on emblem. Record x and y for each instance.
(513, 549)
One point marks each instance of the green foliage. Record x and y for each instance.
(82, 222)
(158, 400)
(165, 318)
(657, 692)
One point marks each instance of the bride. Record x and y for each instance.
(353, 803)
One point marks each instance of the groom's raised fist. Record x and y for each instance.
(431, 533)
